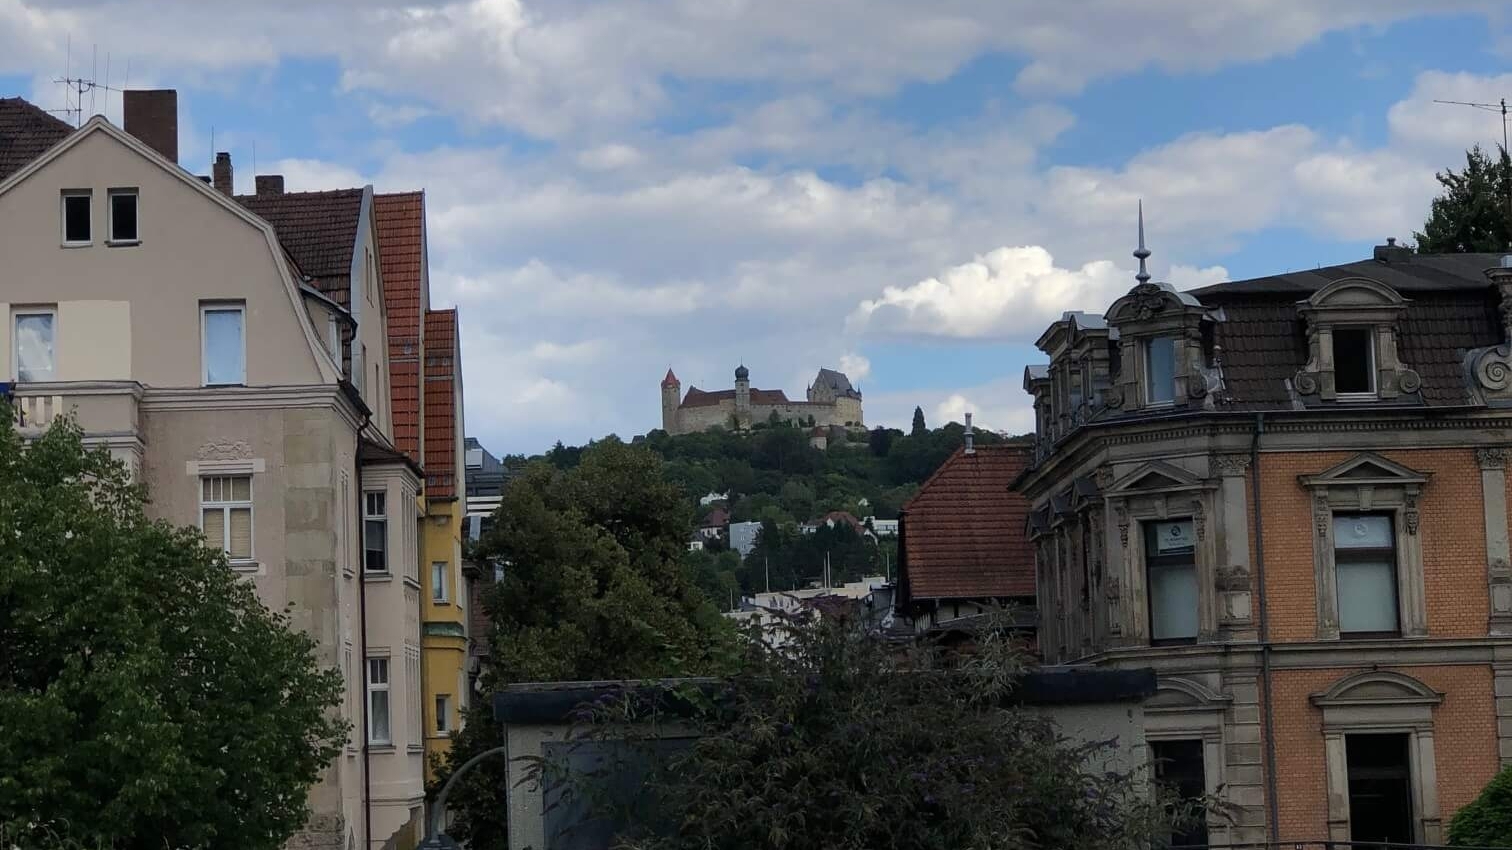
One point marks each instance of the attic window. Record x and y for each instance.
(1354, 361)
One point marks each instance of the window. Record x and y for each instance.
(1380, 788)
(378, 701)
(226, 514)
(443, 713)
(1365, 569)
(1179, 766)
(1354, 361)
(412, 686)
(474, 458)
(123, 215)
(225, 354)
(76, 203)
(34, 346)
(333, 336)
(374, 534)
(1160, 370)
(1076, 390)
(438, 581)
(1170, 562)
(348, 687)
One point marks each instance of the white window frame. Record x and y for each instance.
(88, 195)
(16, 314)
(110, 196)
(225, 508)
(333, 336)
(1370, 356)
(373, 690)
(348, 689)
(413, 689)
(443, 715)
(227, 307)
(1149, 382)
(369, 516)
(440, 584)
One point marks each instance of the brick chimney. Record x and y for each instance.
(221, 172)
(152, 116)
(1391, 252)
(269, 184)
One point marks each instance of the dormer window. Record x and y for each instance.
(1160, 370)
(1354, 361)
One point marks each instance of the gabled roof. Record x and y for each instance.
(400, 220)
(26, 132)
(442, 367)
(964, 531)
(318, 229)
(699, 398)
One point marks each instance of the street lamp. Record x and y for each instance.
(435, 839)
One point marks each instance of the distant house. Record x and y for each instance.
(882, 527)
(714, 524)
(743, 537)
(695, 543)
(832, 519)
(711, 498)
(962, 545)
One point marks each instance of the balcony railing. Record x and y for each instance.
(35, 412)
(100, 407)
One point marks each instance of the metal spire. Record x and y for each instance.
(1142, 253)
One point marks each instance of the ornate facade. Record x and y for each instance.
(1288, 496)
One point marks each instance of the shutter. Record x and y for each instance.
(241, 534)
(214, 523)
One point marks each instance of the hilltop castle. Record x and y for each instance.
(832, 401)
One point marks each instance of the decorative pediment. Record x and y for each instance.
(1377, 688)
(1178, 694)
(1356, 292)
(1148, 301)
(1364, 469)
(1156, 476)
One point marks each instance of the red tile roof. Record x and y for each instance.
(442, 368)
(963, 532)
(318, 229)
(400, 218)
(26, 132)
(699, 398)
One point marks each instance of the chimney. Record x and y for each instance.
(221, 173)
(269, 184)
(970, 439)
(1391, 252)
(152, 116)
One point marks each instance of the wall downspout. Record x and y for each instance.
(367, 729)
(1267, 710)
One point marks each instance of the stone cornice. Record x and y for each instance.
(312, 396)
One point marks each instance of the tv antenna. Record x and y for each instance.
(1492, 107)
(77, 87)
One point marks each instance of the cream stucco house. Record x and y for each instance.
(248, 394)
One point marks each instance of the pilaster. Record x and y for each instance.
(1493, 466)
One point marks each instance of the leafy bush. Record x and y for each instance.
(1487, 821)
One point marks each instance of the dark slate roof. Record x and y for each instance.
(26, 132)
(836, 381)
(963, 534)
(319, 229)
(1452, 308)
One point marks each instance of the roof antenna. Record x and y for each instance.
(1142, 253)
(1490, 107)
(77, 86)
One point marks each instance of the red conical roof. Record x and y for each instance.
(670, 380)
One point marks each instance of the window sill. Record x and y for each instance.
(1349, 636)
(443, 735)
(412, 582)
(347, 573)
(222, 386)
(377, 576)
(122, 243)
(445, 602)
(78, 244)
(244, 566)
(1356, 398)
(383, 747)
(416, 749)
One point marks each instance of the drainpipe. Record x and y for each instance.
(367, 729)
(1267, 709)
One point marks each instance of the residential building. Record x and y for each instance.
(881, 527)
(713, 526)
(486, 477)
(743, 537)
(249, 400)
(831, 401)
(1288, 496)
(962, 546)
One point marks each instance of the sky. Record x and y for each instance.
(909, 192)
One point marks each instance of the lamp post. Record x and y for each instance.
(435, 839)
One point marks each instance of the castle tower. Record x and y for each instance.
(743, 393)
(671, 393)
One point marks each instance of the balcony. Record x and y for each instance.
(102, 409)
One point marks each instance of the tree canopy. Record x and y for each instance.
(149, 698)
(594, 587)
(1472, 214)
(1487, 820)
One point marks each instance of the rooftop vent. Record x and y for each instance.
(1391, 252)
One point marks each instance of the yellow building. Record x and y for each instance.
(426, 381)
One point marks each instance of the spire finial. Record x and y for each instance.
(1142, 253)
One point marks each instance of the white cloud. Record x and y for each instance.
(999, 405)
(1009, 292)
(855, 367)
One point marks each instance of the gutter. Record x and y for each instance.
(367, 728)
(1267, 705)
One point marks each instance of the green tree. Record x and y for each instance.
(595, 587)
(1487, 820)
(919, 428)
(1471, 215)
(148, 698)
(836, 743)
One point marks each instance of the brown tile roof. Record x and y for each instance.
(318, 229)
(26, 132)
(699, 398)
(442, 367)
(963, 532)
(400, 219)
